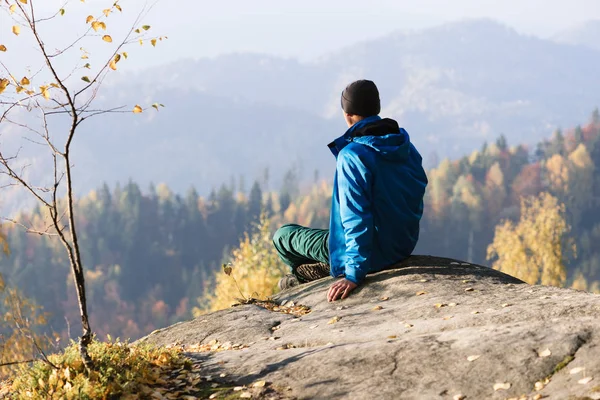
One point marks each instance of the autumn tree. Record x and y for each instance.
(536, 248)
(254, 272)
(48, 94)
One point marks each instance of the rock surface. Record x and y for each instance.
(433, 328)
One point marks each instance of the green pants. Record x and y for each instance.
(298, 245)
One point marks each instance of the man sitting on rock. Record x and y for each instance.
(377, 202)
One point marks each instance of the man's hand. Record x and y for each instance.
(341, 288)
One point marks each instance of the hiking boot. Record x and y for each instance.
(312, 272)
(287, 282)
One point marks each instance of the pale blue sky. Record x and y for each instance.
(309, 28)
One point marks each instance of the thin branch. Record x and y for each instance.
(8, 364)
(29, 229)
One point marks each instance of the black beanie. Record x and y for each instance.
(361, 98)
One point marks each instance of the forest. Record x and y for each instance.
(151, 255)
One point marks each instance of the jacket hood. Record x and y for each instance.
(382, 135)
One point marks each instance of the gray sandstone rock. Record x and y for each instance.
(412, 346)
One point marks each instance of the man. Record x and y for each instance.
(377, 202)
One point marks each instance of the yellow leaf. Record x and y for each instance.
(118, 7)
(85, 79)
(62, 11)
(25, 81)
(12, 8)
(106, 12)
(88, 66)
(3, 84)
(153, 41)
(146, 27)
(125, 54)
(545, 353)
(137, 31)
(95, 26)
(89, 19)
(103, 25)
(2, 47)
(84, 57)
(113, 65)
(377, 308)
(30, 92)
(141, 42)
(421, 293)
(226, 268)
(107, 38)
(20, 89)
(472, 358)
(23, 1)
(117, 58)
(333, 320)
(137, 109)
(16, 29)
(259, 384)
(502, 386)
(45, 92)
(585, 381)
(54, 85)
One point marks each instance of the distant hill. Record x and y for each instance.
(586, 34)
(452, 87)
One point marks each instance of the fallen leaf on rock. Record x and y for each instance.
(246, 395)
(238, 388)
(545, 353)
(576, 370)
(452, 305)
(469, 289)
(467, 281)
(440, 305)
(421, 293)
(334, 320)
(424, 280)
(537, 396)
(377, 308)
(392, 337)
(475, 312)
(459, 397)
(585, 381)
(506, 305)
(501, 386)
(384, 298)
(408, 325)
(539, 386)
(259, 384)
(473, 358)
(447, 317)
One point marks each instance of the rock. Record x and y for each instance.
(430, 356)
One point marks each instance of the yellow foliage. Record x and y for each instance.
(256, 269)
(579, 283)
(558, 173)
(533, 249)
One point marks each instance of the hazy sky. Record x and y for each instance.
(309, 28)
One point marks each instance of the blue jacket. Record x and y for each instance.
(377, 199)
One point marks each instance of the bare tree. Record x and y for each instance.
(51, 112)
